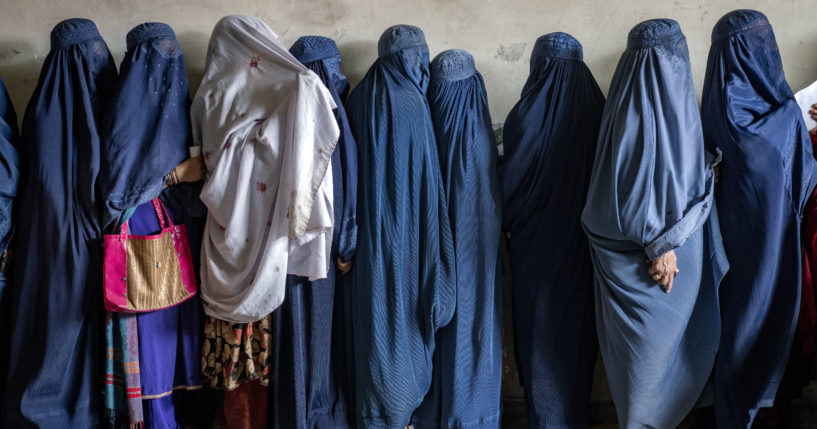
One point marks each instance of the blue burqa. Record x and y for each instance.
(651, 191)
(768, 172)
(146, 127)
(9, 170)
(310, 382)
(9, 176)
(55, 365)
(403, 284)
(550, 140)
(145, 135)
(465, 390)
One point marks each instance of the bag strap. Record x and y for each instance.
(159, 208)
(123, 233)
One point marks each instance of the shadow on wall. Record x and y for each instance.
(194, 49)
(22, 68)
(607, 57)
(355, 70)
(807, 63)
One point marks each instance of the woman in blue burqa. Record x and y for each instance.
(653, 232)
(145, 134)
(54, 373)
(550, 140)
(465, 391)
(321, 55)
(403, 284)
(9, 176)
(768, 172)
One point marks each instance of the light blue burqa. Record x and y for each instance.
(651, 191)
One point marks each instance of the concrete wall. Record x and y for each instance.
(499, 33)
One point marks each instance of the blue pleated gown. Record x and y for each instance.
(403, 281)
(550, 141)
(55, 368)
(465, 389)
(651, 191)
(768, 172)
(9, 178)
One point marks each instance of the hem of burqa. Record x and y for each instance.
(493, 422)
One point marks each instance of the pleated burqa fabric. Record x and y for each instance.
(56, 297)
(768, 172)
(145, 135)
(147, 126)
(651, 192)
(807, 319)
(550, 140)
(9, 171)
(9, 178)
(465, 389)
(308, 386)
(403, 284)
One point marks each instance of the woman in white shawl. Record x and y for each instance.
(267, 131)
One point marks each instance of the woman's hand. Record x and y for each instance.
(664, 269)
(190, 170)
(813, 114)
(344, 267)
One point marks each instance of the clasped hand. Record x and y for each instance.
(664, 269)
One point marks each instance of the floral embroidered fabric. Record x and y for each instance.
(234, 353)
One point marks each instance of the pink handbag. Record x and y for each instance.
(148, 272)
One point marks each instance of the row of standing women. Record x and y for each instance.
(349, 250)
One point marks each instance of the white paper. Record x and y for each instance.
(805, 98)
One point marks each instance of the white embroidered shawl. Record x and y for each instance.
(267, 131)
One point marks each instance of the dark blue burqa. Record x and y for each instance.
(147, 127)
(465, 390)
(145, 135)
(310, 382)
(403, 285)
(9, 169)
(768, 172)
(9, 176)
(550, 142)
(651, 191)
(56, 297)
